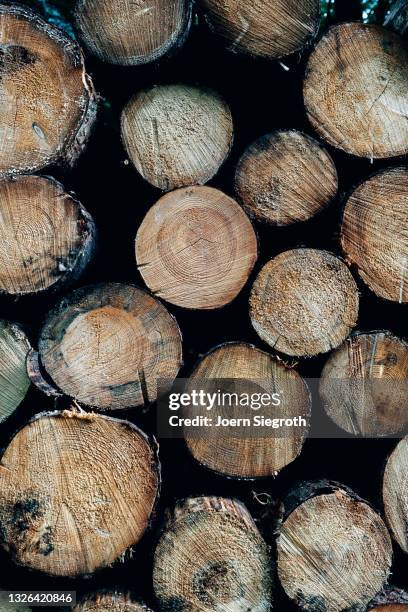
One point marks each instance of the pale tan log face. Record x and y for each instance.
(14, 381)
(212, 557)
(79, 495)
(285, 177)
(270, 28)
(110, 602)
(395, 493)
(177, 135)
(44, 92)
(364, 385)
(245, 456)
(356, 90)
(334, 552)
(108, 345)
(131, 32)
(304, 302)
(196, 248)
(374, 233)
(45, 234)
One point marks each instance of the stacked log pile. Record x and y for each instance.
(213, 191)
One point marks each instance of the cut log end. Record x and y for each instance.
(364, 385)
(356, 88)
(46, 236)
(285, 177)
(374, 233)
(129, 33)
(250, 456)
(304, 302)
(48, 102)
(198, 561)
(14, 381)
(177, 135)
(334, 553)
(394, 493)
(114, 601)
(196, 248)
(107, 346)
(271, 29)
(79, 496)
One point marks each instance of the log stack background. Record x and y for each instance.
(265, 97)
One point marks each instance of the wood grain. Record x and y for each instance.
(304, 302)
(196, 248)
(14, 380)
(356, 90)
(395, 487)
(110, 601)
(177, 135)
(285, 177)
(107, 346)
(212, 557)
(80, 494)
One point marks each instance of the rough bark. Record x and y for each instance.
(394, 493)
(374, 233)
(397, 18)
(270, 28)
(80, 494)
(255, 453)
(364, 385)
(47, 238)
(48, 102)
(356, 90)
(108, 344)
(334, 551)
(112, 601)
(177, 135)
(390, 599)
(196, 248)
(304, 302)
(129, 33)
(285, 177)
(14, 381)
(212, 557)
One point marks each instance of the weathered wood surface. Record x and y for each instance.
(110, 601)
(395, 500)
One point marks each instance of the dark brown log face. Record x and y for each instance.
(374, 233)
(212, 557)
(79, 496)
(110, 602)
(394, 493)
(48, 102)
(304, 302)
(364, 385)
(46, 236)
(334, 553)
(251, 457)
(355, 90)
(270, 28)
(132, 33)
(14, 380)
(107, 345)
(177, 135)
(196, 248)
(285, 177)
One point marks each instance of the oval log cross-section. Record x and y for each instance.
(14, 380)
(110, 601)
(395, 486)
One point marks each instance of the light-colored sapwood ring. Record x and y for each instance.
(196, 248)
(285, 177)
(304, 302)
(364, 385)
(395, 493)
(14, 380)
(211, 556)
(263, 454)
(334, 553)
(270, 28)
(374, 233)
(108, 345)
(356, 90)
(48, 102)
(110, 601)
(130, 34)
(47, 237)
(80, 494)
(177, 135)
